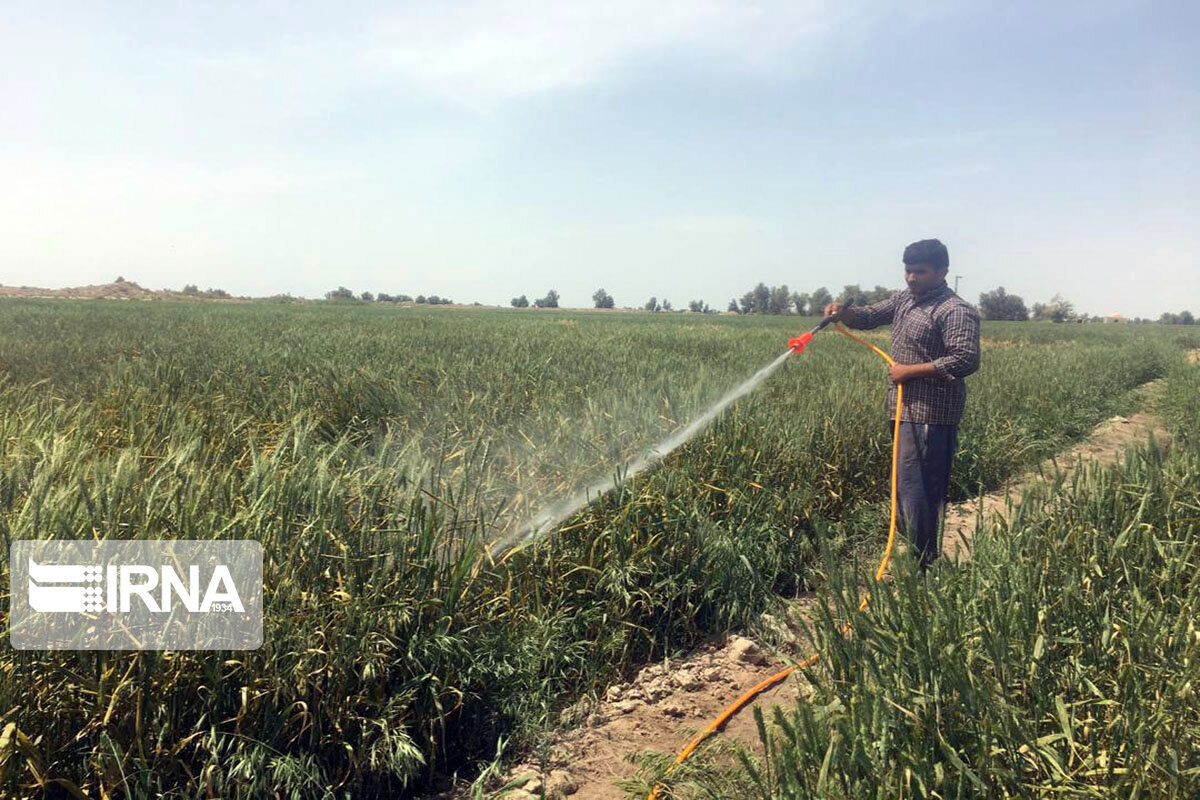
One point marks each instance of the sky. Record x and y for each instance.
(685, 150)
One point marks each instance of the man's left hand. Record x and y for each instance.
(900, 373)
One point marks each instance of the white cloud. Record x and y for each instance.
(481, 52)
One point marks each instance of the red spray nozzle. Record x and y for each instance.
(800, 342)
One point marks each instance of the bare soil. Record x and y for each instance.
(667, 703)
(659, 710)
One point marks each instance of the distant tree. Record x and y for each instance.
(757, 300)
(651, 304)
(602, 299)
(878, 293)
(549, 301)
(403, 298)
(852, 291)
(820, 298)
(762, 298)
(383, 297)
(999, 304)
(520, 302)
(698, 306)
(1064, 310)
(800, 302)
(433, 300)
(666, 304)
(119, 279)
(220, 293)
(191, 290)
(367, 297)
(1057, 310)
(340, 293)
(733, 306)
(1182, 318)
(779, 300)
(420, 300)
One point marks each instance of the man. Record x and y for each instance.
(935, 343)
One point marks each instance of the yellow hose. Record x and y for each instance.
(880, 571)
(891, 540)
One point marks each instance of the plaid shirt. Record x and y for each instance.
(938, 327)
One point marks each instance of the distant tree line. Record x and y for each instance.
(1000, 305)
(191, 290)
(344, 295)
(549, 301)
(602, 299)
(1182, 318)
(763, 299)
(997, 304)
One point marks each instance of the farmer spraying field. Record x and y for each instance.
(935, 343)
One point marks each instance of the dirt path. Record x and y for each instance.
(667, 703)
(1105, 444)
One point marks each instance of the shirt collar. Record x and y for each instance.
(935, 292)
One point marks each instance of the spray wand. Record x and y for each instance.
(800, 342)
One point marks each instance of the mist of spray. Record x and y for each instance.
(550, 517)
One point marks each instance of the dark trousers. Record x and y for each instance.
(923, 483)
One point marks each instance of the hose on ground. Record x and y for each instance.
(880, 571)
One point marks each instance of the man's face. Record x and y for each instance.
(923, 277)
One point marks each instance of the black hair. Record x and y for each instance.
(927, 251)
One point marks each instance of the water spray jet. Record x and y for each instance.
(552, 516)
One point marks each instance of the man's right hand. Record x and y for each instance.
(839, 311)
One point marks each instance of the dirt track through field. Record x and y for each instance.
(667, 703)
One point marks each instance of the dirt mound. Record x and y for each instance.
(117, 290)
